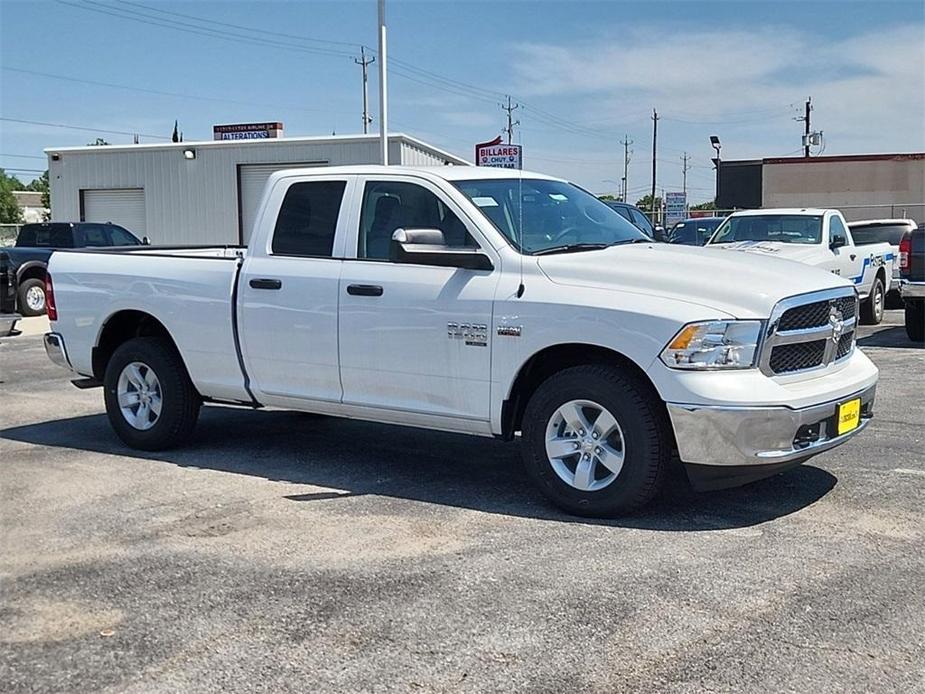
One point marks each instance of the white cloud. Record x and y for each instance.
(868, 89)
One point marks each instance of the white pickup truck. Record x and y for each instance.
(478, 301)
(820, 238)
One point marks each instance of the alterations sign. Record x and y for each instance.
(675, 207)
(499, 155)
(247, 131)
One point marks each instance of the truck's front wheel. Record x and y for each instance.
(150, 400)
(872, 308)
(596, 441)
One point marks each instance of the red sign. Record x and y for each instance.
(498, 155)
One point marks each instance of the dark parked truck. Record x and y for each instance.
(912, 281)
(28, 259)
(8, 315)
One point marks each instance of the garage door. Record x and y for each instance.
(251, 180)
(125, 207)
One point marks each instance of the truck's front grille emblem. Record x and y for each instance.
(809, 332)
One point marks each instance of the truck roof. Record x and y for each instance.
(814, 211)
(448, 173)
(863, 222)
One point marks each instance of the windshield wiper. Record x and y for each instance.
(623, 243)
(571, 248)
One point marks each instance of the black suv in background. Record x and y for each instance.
(912, 281)
(637, 218)
(28, 259)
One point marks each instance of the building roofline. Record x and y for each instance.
(899, 156)
(332, 139)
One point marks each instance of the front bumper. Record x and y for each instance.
(8, 324)
(761, 436)
(56, 351)
(912, 290)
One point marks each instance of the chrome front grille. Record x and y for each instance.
(810, 331)
(816, 314)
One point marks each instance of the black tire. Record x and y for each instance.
(646, 433)
(31, 284)
(915, 320)
(894, 300)
(872, 308)
(180, 402)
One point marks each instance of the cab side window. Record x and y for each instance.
(391, 205)
(837, 231)
(308, 219)
(94, 235)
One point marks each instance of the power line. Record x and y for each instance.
(158, 92)
(238, 26)
(21, 156)
(80, 127)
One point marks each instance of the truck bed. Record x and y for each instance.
(190, 290)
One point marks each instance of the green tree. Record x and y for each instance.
(9, 210)
(606, 196)
(100, 142)
(645, 203)
(708, 205)
(40, 185)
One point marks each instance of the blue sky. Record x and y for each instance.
(586, 73)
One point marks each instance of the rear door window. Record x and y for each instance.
(308, 219)
(93, 235)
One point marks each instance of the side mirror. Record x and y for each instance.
(145, 241)
(428, 247)
(838, 242)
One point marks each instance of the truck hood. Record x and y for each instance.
(801, 253)
(742, 285)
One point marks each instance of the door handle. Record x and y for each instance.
(364, 290)
(266, 284)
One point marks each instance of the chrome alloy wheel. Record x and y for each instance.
(878, 300)
(139, 395)
(585, 445)
(35, 298)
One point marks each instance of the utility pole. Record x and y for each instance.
(805, 119)
(383, 88)
(654, 150)
(510, 119)
(684, 168)
(364, 63)
(626, 142)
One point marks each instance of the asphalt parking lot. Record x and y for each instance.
(283, 552)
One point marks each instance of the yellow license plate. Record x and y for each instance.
(849, 416)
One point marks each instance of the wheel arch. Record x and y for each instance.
(553, 359)
(33, 269)
(122, 326)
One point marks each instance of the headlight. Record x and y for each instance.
(714, 345)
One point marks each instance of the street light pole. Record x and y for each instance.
(383, 88)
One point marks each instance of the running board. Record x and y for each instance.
(85, 383)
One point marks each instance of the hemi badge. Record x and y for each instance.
(510, 330)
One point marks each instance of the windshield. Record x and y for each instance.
(693, 232)
(537, 215)
(878, 233)
(783, 228)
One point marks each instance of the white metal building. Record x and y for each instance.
(201, 192)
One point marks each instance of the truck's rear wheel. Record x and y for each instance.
(872, 308)
(32, 297)
(150, 400)
(595, 441)
(915, 320)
